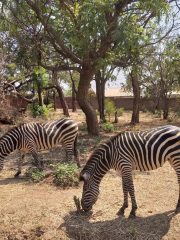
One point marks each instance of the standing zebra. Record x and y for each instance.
(33, 136)
(128, 151)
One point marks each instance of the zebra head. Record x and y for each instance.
(90, 191)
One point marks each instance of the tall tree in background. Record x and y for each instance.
(102, 76)
(78, 35)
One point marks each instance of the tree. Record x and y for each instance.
(161, 77)
(78, 35)
(102, 76)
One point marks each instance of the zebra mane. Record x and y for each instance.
(103, 144)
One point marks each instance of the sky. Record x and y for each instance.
(114, 84)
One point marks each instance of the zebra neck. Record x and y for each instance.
(100, 169)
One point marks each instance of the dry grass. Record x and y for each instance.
(44, 211)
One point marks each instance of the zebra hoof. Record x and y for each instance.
(132, 216)
(120, 212)
(177, 210)
(17, 174)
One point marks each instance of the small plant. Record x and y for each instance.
(109, 108)
(144, 109)
(116, 128)
(37, 110)
(83, 127)
(36, 175)
(97, 140)
(158, 113)
(108, 127)
(119, 112)
(66, 174)
(133, 230)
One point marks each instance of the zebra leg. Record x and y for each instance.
(76, 152)
(69, 151)
(21, 159)
(125, 204)
(128, 186)
(38, 163)
(1, 164)
(178, 204)
(76, 155)
(174, 163)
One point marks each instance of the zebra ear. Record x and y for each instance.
(84, 176)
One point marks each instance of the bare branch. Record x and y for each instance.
(20, 95)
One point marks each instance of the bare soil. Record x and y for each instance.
(44, 211)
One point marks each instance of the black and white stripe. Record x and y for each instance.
(33, 136)
(128, 151)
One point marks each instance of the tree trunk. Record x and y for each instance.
(73, 93)
(166, 107)
(86, 77)
(61, 95)
(100, 92)
(54, 100)
(73, 99)
(40, 96)
(136, 103)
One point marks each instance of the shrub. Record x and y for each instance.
(158, 113)
(109, 108)
(36, 175)
(83, 127)
(119, 111)
(66, 174)
(108, 127)
(37, 110)
(144, 109)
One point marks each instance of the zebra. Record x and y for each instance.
(31, 137)
(143, 150)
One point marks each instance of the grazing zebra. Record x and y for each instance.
(33, 136)
(128, 151)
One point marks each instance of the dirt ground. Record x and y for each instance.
(44, 211)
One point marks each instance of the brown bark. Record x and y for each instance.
(73, 100)
(61, 94)
(73, 93)
(40, 96)
(136, 103)
(100, 92)
(83, 100)
(54, 99)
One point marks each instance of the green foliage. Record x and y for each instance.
(66, 174)
(108, 127)
(158, 113)
(68, 92)
(83, 127)
(120, 111)
(36, 175)
(116, 128)
(37, 110)
(97, 140)
(109, 108)
(144, 109)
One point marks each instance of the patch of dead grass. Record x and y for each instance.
(45, 211)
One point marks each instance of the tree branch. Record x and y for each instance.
(52, 32)
(20, 95)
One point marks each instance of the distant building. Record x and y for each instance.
(117, 92)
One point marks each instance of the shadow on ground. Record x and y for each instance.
(154, 227)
